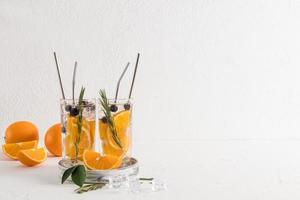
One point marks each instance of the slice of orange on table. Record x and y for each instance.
(93, 160)
(21, 140)
(32, 157)
(12, 150)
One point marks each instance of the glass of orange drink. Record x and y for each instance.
(115, 127)
(78, 127)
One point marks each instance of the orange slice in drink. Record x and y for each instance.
(12, 150)
(122, 124)
(72, 136)
(93, 160)
(69, 147)
(92, 131)
(32, 157)
(103, 130)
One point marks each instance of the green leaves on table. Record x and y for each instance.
(77, 173)
(66, 174)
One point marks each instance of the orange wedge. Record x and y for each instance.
(12, 150)
(84, 144)
(32, 157)
(72, 136)
(69, 147)
(93, 160)
(122, 123)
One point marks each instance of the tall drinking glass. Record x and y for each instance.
(78, 127)
(115, 133)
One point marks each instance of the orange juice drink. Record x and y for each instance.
(115, 132)
(78, 130)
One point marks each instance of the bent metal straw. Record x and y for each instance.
(119, 81)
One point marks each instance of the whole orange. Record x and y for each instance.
(53, 140)
(21, 131)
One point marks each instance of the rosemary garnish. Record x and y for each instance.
(95, 186)
(146, 179)
(106, 110)
(79, 121)
(89, 187)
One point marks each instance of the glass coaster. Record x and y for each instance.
(124, 178)
(128, 170)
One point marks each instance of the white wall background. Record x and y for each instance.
(209, 69)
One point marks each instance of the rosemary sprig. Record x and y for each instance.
(95, 186)
(79, 121)
(146, 179)
(89, 187)
(106, 110)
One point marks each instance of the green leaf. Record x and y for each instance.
(67, 173)
(79, 175)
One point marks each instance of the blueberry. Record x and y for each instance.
(104, 120)
(113, 108)
(127, 106)
(63, 129)
(74, 111)
(68, 108)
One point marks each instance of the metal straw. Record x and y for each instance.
(73, 82)
(119, 81)
(132, 83)
(57, 68)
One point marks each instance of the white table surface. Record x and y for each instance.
(208, 169)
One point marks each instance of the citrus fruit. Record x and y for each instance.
(122, 124)
(32, 157)
(85, 141)
(92, 131)
(69, 147)
(21, 131)
(90, 156)
(12, 150)
(93, 160)
(53, 141)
